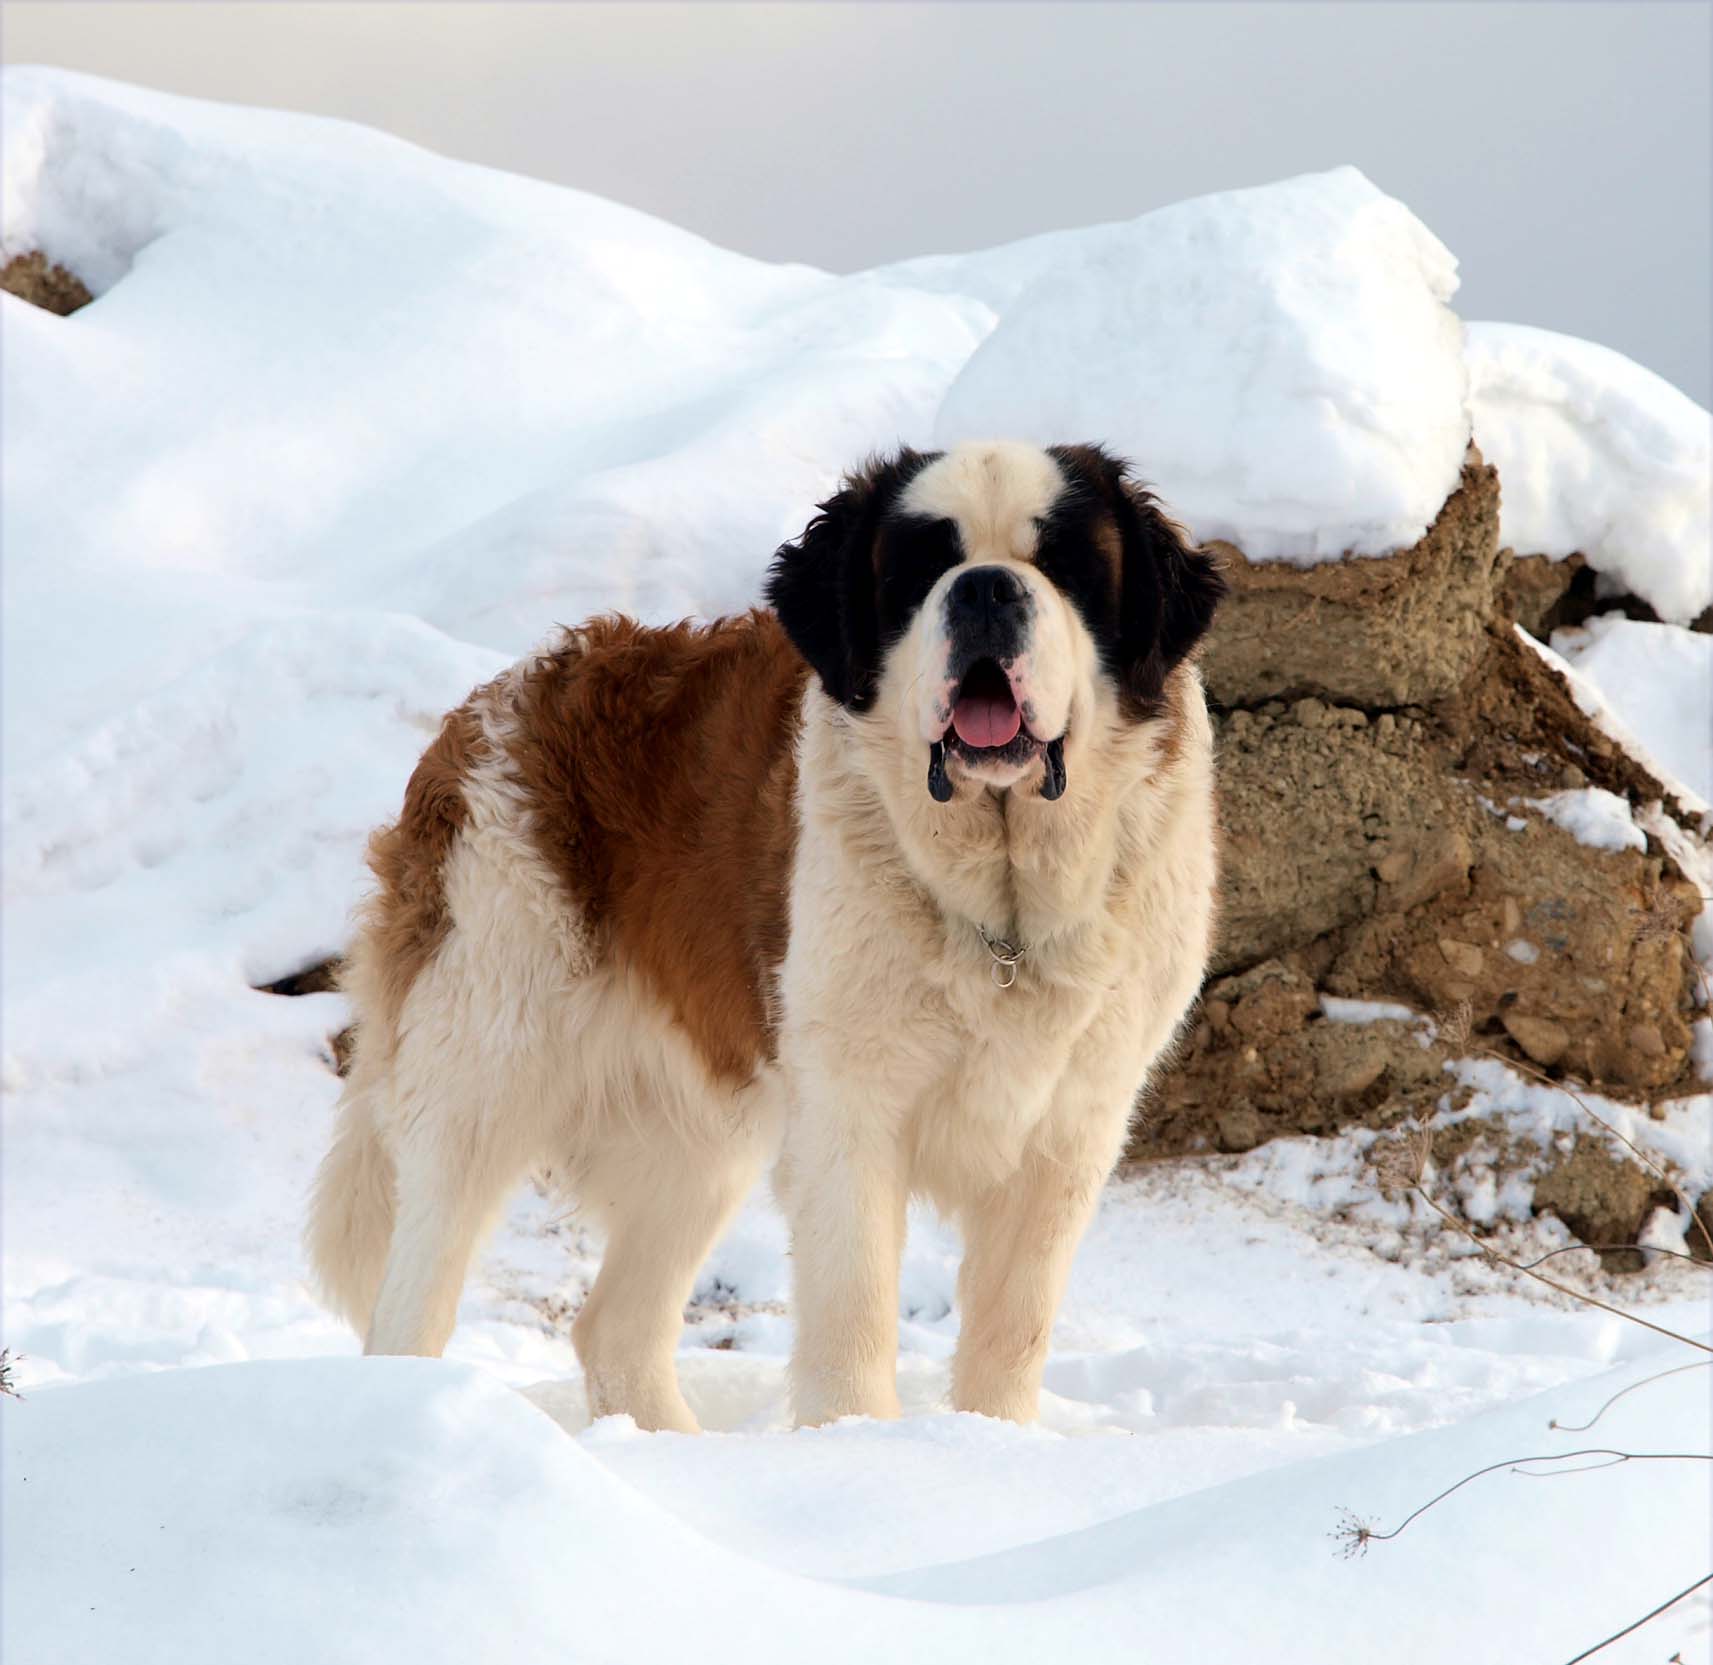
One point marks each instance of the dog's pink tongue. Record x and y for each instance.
(984, 721)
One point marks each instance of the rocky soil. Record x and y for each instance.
(1386, 742)
(34, 278)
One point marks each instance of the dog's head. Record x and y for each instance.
(984, 601)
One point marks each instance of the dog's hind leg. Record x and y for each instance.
(460, 1136)
(448, 1191)
(450, 1185)
(665, 1206)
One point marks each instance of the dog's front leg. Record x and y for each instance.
(842, 1184)
(1019, 1241)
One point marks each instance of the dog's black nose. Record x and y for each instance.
(985, 595)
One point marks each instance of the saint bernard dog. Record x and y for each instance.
(903, 886)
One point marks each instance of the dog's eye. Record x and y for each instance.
(916, 552)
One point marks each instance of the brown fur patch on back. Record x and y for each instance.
(659, 767)
(406, 920)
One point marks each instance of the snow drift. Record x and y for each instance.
(407, 1509)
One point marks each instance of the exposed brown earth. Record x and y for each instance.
(1398, 630)
(34, 278)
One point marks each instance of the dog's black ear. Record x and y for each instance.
(823, 584)
(1170, 589)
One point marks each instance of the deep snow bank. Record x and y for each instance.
(1282, 362)
(390, 1509)
(332, 365)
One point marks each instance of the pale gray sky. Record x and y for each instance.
(1560, 149)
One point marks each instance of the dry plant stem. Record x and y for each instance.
(1366, 1535)
(1619, 1635)
(1611, 1248)
(1646, 1381)
(1551, 1283)
(1629, 1144)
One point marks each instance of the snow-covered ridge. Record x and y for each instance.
(1283, 361)
(349, 1511)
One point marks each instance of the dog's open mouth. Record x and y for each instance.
(987, 727)
(985, 716)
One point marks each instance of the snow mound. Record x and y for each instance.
(338, 366)
(1282, 362)
(1599, 457)
(365, 1510)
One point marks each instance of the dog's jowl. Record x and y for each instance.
(902, 886)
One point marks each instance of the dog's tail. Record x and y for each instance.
(351, 1211)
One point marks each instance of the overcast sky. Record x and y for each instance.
(1560, 149)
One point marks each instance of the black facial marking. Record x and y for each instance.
(1159, 604)
(988, 611)
(828, 587)
(1068, 554)
(912, 553)
(1053, 782)
(939, 784)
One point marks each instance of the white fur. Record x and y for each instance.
(996, 490)
(910, 1072)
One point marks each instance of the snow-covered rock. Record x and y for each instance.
(1599, 457)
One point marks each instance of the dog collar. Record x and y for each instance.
(1006, 957)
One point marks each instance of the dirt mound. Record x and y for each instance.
(1391, 760)
(34, 278)
(1377, 632)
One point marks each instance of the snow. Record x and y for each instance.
(1592, 816)
(1672, 725)
(1342, 1010)
(350, 425)
(408, 1509)
(1306, 403)
(1659, 680)
(1596, 456)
